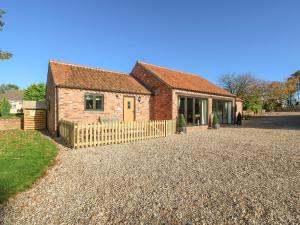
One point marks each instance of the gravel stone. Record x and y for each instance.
(234, 175)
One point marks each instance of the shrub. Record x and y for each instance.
(239, 117)
(35, 92)
(181, 121)
(215, 119)
(247, 117)
(5, 108)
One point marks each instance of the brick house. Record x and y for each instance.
(78, 93)
(176, 92)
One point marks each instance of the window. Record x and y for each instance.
(13, 104)
(128, 105)
(99, 102)
(194, 109)
(94, 102)
(223, 109)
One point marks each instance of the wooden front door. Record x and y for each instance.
(129, 108)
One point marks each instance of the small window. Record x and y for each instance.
(99, 102)
(89, 102)
(94, 102)
(128, 105)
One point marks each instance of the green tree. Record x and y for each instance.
(4, 108)
(7, 87)
(35, 92)
(3, 55)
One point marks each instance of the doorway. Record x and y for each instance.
(129, 108)
(223, 109)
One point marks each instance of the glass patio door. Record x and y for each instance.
(223, 109)
(193, 109)
(190, 111)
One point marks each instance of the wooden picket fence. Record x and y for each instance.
(78, 135)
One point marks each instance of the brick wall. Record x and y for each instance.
(71, 107)
(161, 102)
(51, 104)
(11, 123)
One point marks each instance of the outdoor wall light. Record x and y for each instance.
(139, 98)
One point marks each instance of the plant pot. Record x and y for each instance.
(182, 129)
(216, 126)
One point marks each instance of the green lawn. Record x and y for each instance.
(24, 157)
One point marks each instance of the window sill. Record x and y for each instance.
(93, 110)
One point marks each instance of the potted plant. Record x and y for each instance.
(216, 124)
(181, 124)
(239, 119)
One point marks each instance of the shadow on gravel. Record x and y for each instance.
(287, 122)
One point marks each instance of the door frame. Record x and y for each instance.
(134, 109)
(222, 102)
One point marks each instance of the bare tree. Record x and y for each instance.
(236, 84)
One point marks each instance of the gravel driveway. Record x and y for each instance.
(231, 176)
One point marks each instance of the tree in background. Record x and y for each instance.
(3, 55)
(258, 94)
(293, 86)
(6, 87)
(4, 108)
(274, 95)
(245, 86)
(238, 84)
(296, 74)
(290, 87)
(35, 92)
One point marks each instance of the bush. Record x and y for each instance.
(4, 108)
(181, 121)
(247, 117)
(35, 92)
(215, 119)
(239, 118)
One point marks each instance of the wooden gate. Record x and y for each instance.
(34, 115)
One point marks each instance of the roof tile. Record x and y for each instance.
(185, 81)
(76, 76)
(12, 95)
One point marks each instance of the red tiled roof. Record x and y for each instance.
(12, 95)
(185, 81)
(76, 76)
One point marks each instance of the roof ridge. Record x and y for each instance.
(183, 73)
(180, 71)
(88, 67)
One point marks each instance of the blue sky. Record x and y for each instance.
(204, 37)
